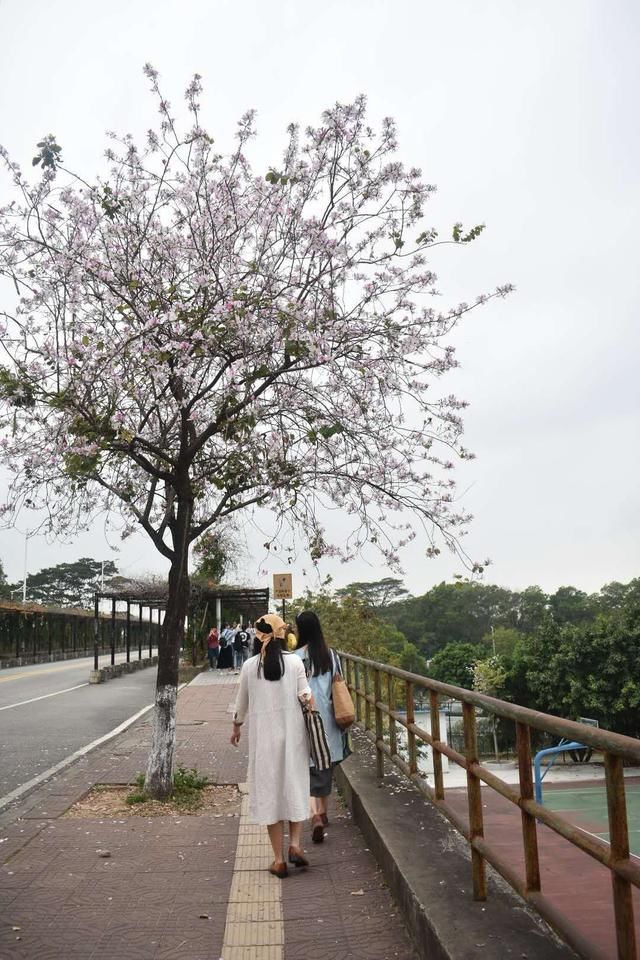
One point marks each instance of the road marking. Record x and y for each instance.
(39, 673)
(19, 791)
(45, 696)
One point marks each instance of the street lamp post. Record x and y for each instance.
(24, 578)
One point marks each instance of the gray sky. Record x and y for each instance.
(525, 116)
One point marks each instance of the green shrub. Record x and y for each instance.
(187, 787)
(185, 780)
(136, 797)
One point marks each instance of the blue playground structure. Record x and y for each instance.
(579, 752)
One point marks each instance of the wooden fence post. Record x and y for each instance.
(474, 797)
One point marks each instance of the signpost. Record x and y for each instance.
(283, 589)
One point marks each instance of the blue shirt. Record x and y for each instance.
(321, 690)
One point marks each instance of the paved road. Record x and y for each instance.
(48, 711)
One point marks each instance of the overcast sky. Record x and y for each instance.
(526, 117)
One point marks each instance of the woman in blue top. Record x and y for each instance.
(320, 663)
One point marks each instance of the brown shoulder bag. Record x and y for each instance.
(343, 709)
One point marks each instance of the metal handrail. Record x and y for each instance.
(365, 680)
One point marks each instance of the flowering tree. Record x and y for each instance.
(190, 338)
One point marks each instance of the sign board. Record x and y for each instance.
(282, 586)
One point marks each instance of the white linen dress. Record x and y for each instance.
(278, 743)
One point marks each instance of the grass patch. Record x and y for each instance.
(187, 672)
(186, 794)
(109, 801)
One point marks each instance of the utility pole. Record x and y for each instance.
(283, 590)
(24, 577)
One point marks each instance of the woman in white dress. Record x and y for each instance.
(273, 684)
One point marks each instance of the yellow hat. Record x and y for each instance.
(273, 621)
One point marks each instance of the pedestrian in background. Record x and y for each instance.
(213, 647)
(320, 663)
(240, 647)
(273, 685)
(225, 659)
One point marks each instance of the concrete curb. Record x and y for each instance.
(58, 656)
(118, 669)
(427, 866)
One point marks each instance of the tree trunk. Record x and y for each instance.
(158, 780)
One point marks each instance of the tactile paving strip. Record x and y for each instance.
(254, 928)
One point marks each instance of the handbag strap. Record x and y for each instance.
(335, 663)
(306, 662)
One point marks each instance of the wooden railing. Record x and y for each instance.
(378, 688)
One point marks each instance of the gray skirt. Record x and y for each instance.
(320, 781)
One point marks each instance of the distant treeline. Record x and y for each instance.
(467, 612)
(568, 653)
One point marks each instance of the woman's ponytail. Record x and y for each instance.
(273, 661)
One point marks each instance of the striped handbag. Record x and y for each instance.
(318, 745)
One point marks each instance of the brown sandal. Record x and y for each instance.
(279, 869)
(296, 858)
(317, 828)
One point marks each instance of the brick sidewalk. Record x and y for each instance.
(182, 887)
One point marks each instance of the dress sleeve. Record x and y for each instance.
(242, 700)
(304, 690)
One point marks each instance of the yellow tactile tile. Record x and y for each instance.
(256, 912)
(250, 858)
(252, 845)
(255, 886)
(254, 953)
(253, 860)
(254, 928)
(254, 933)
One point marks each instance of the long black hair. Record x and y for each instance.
(271, 667)
(310, 635)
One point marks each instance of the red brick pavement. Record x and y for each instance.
(145, 901)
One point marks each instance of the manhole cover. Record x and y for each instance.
(181, 723)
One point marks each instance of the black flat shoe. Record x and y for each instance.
(296, 858)
(279, 869)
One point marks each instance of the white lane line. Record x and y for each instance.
(19, 791)
(44, 696)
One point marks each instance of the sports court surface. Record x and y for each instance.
(578, 885)
(586, 806)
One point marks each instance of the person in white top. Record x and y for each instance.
(273, 684)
